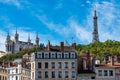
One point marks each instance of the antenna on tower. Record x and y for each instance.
(95, 7)
(16, 29)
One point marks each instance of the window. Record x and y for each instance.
(105, 73)
(73, 74)
(59, 56)
(93, 78)
(110, 72)
(8, 71)
(39, 74)
(16, 70)
(59, 64)
(39, 55)
(46, 56)
(66, 56)
(52, 55)
(39, 65)
(46, 74)
(66, 64)
(53, 65)
(73, 56)
(20, 49)
(66, 74)
(59, 74)
(73, 64)
(53, 74)
(46, 64)
(99, 72)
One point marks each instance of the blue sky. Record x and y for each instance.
(59, 20)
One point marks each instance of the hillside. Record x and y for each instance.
(101, 49)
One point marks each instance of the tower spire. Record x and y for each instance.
(95, 30)
(16, 36)
(16, 30)
(29, 38)
(37, 40)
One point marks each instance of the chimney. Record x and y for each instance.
(62, 46)
(74, 46)
(48, 46)
(112, 60)
(104, 61)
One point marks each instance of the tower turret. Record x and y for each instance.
(37, 40)
(16, 36)
(95, 31)
(8, 43)
(7, 38)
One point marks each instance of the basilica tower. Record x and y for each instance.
(16, 36)
(95, 30)
(8, 43)
(37, 40)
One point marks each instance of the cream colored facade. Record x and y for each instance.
(18, 73)
(3, 74)
(25, 74)
(117, 73)
(56, 69)
(105, 73)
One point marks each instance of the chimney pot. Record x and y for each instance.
(62, 46)
(48, 47)
(74, 46)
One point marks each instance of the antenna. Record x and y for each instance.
(95, 7)
(16, 29)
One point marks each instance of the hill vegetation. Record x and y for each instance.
(99, 50)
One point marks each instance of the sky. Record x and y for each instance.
(59, 20)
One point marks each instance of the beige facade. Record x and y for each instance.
(105, 72)
(3, 74)
(18, 73)
(117, 73)
(25, 74)
(54, 65)
(56, 69)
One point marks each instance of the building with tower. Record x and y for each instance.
(13, 46)
(95, 30)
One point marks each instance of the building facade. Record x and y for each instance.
(86, 66)
(13, 46)
(54, 63)
(104, 72)
(17, 72)
(3, 74)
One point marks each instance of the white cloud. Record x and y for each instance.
(58, 28)
(72, 28)
(12, 2)
(2, 40)
(81, 33)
